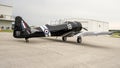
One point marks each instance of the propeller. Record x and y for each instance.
(85, 28)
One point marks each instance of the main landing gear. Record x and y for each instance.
(79, 39)
(64, 39)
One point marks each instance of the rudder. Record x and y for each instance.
(21, 28)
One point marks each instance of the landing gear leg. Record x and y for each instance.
(79, 39)
(26, 39)
(64, 39)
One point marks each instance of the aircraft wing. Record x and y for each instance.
(92, 33)
(69, 34)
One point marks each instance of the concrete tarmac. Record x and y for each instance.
(94, 52)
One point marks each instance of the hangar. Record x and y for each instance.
(90, 24)
(6, 17)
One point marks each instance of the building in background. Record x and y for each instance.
(90, 24)
(6, 17)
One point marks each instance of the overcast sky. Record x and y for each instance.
(39, 12)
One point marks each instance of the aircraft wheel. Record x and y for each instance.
(26, 39)
(64, 38)
(79, 39)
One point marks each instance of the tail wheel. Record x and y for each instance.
(79, 39)
(26, 39)
(64, 38)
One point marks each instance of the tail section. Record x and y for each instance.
(21, 28)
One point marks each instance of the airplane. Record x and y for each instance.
(67, 29)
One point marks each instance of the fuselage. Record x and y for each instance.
(57, 30)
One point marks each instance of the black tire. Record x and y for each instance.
(64, 39)
(79, 39)
(26, 39)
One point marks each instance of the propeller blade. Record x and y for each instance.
(85, 28)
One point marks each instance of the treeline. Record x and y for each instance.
(115, 31)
